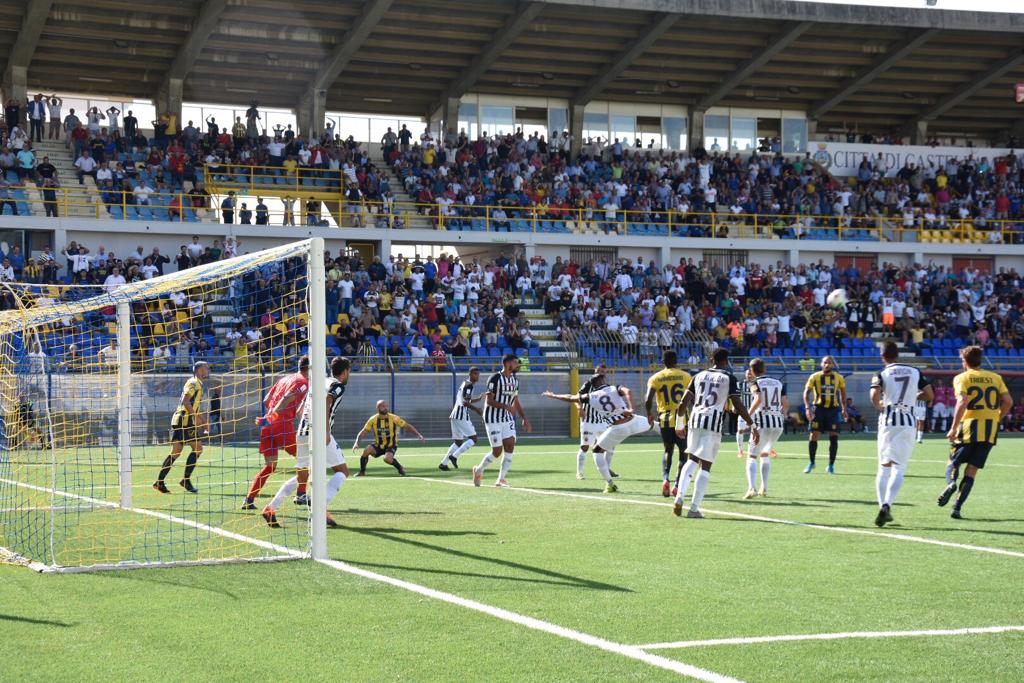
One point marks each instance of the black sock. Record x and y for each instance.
(952, 473)
(833, 448)
(966, 484)
(812, 450)
(190, 465)
(362, 463)
(397, 465)
(166, 467)
(666, 464)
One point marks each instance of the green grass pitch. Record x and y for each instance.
(805, 560)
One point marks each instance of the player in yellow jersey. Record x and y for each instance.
(384, 427)
(666, 388)
(186, 422)
(982, 401)
(825, 401)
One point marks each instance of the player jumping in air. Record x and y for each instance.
(825, 399)
(768, 408)
(895, 393)
(340, 369)
(500, 408)
(277, 428)
(384, 426)
(616, 405)
(982, 401)
(666, 388)
(705, 400)
(463, 432)
(186, 422)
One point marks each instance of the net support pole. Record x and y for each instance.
(124, 407)
(318, 396)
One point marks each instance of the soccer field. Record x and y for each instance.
(553, 580)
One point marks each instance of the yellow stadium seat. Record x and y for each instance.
(111, 328)
(158, 329)
(181, 317)
(443, 330)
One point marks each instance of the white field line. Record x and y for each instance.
(632, 652)
(830, 636)
(629, 651)
(755, 518)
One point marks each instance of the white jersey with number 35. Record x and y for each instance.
(607, 401)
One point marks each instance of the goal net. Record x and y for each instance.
(90, 384)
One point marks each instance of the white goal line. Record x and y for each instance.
(754, 640)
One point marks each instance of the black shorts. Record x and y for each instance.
(826, 419)
(379, 450)
(188, 434)
(670, 440)
(970, 454)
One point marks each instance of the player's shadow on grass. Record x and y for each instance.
(37, 622)
(438, 474)
(416, 532)
(552, 577)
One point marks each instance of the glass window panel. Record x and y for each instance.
(794, 135)
(716, 132)
(356, 126)
(624, 128)
(189, 112)
(379, 127)
(497, 120)
(558, 119)
(595, 125)
(744, 133)
(674, 128)
(145, 113)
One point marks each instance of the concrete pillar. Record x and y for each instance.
(15, 85)
(666, 256)
(312, 112)
(169, 100)
(385, 249)
(696, 136)
(451, 115)
(919, 257)
(812, 129)
(529, 251)
(919, 133)
(576, 128)
(794, 257)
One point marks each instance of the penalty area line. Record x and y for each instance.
(680, 644)
(754, 518)
(630, 651)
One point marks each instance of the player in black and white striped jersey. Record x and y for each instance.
(463, 431)
(768, 407)
(742, 427)
(895, 391)
(592, 423)
(340, 370)
(706, 399)
(920, 414)
(501, 407)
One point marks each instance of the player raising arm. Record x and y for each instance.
(384, 426)
(186, 422)
(982, 401)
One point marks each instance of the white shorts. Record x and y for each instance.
(589, 431)
(302, 459)
(703, 444)
(766, 442)
(462, 429)
(499, 431)
(616, 434)
(920, 412)
(896, 444)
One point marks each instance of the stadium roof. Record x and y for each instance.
(843, 64)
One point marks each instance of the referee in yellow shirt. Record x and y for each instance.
(825, 401)
(982, 401)
(384, 427)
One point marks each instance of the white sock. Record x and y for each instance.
(334, 485)
(751, 473)
(601, 461)
(488, 459)
(466, 445)
(448, 455)
(287, 489)
(766, 468)
(684, 480)
(895, 483)
(506, 463)
(581, 458)
(882, 483)
(739, 440)
(699, 489)
(920, 434)
(608, 457)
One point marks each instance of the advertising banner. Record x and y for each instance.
(843, 158)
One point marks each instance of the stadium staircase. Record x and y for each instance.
(83, 201)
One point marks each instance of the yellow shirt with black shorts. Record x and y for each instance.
(385, 433)
(183, 425)
(979, 427)
(827, 400)
(668, 386)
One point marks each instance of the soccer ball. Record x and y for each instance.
(837, 298)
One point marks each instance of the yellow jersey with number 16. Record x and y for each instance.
(668, 386)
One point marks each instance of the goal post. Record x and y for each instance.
(92, 389)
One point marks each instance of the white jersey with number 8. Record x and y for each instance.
(607, 401)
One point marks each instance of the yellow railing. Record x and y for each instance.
(177, 207)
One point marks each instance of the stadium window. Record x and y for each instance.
(675, 134)
(468, 119)
(724, 259)
(716, 132)
(558, 119)
(648, 129)
(497, 120)
(595, 125)
(532, 120)
(794, 135)
(624, 128)
(744, 133)
(862, 263)
(982, 263)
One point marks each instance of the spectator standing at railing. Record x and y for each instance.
(12, 112)
(37, 117)
(227, 208)
(262, 212)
